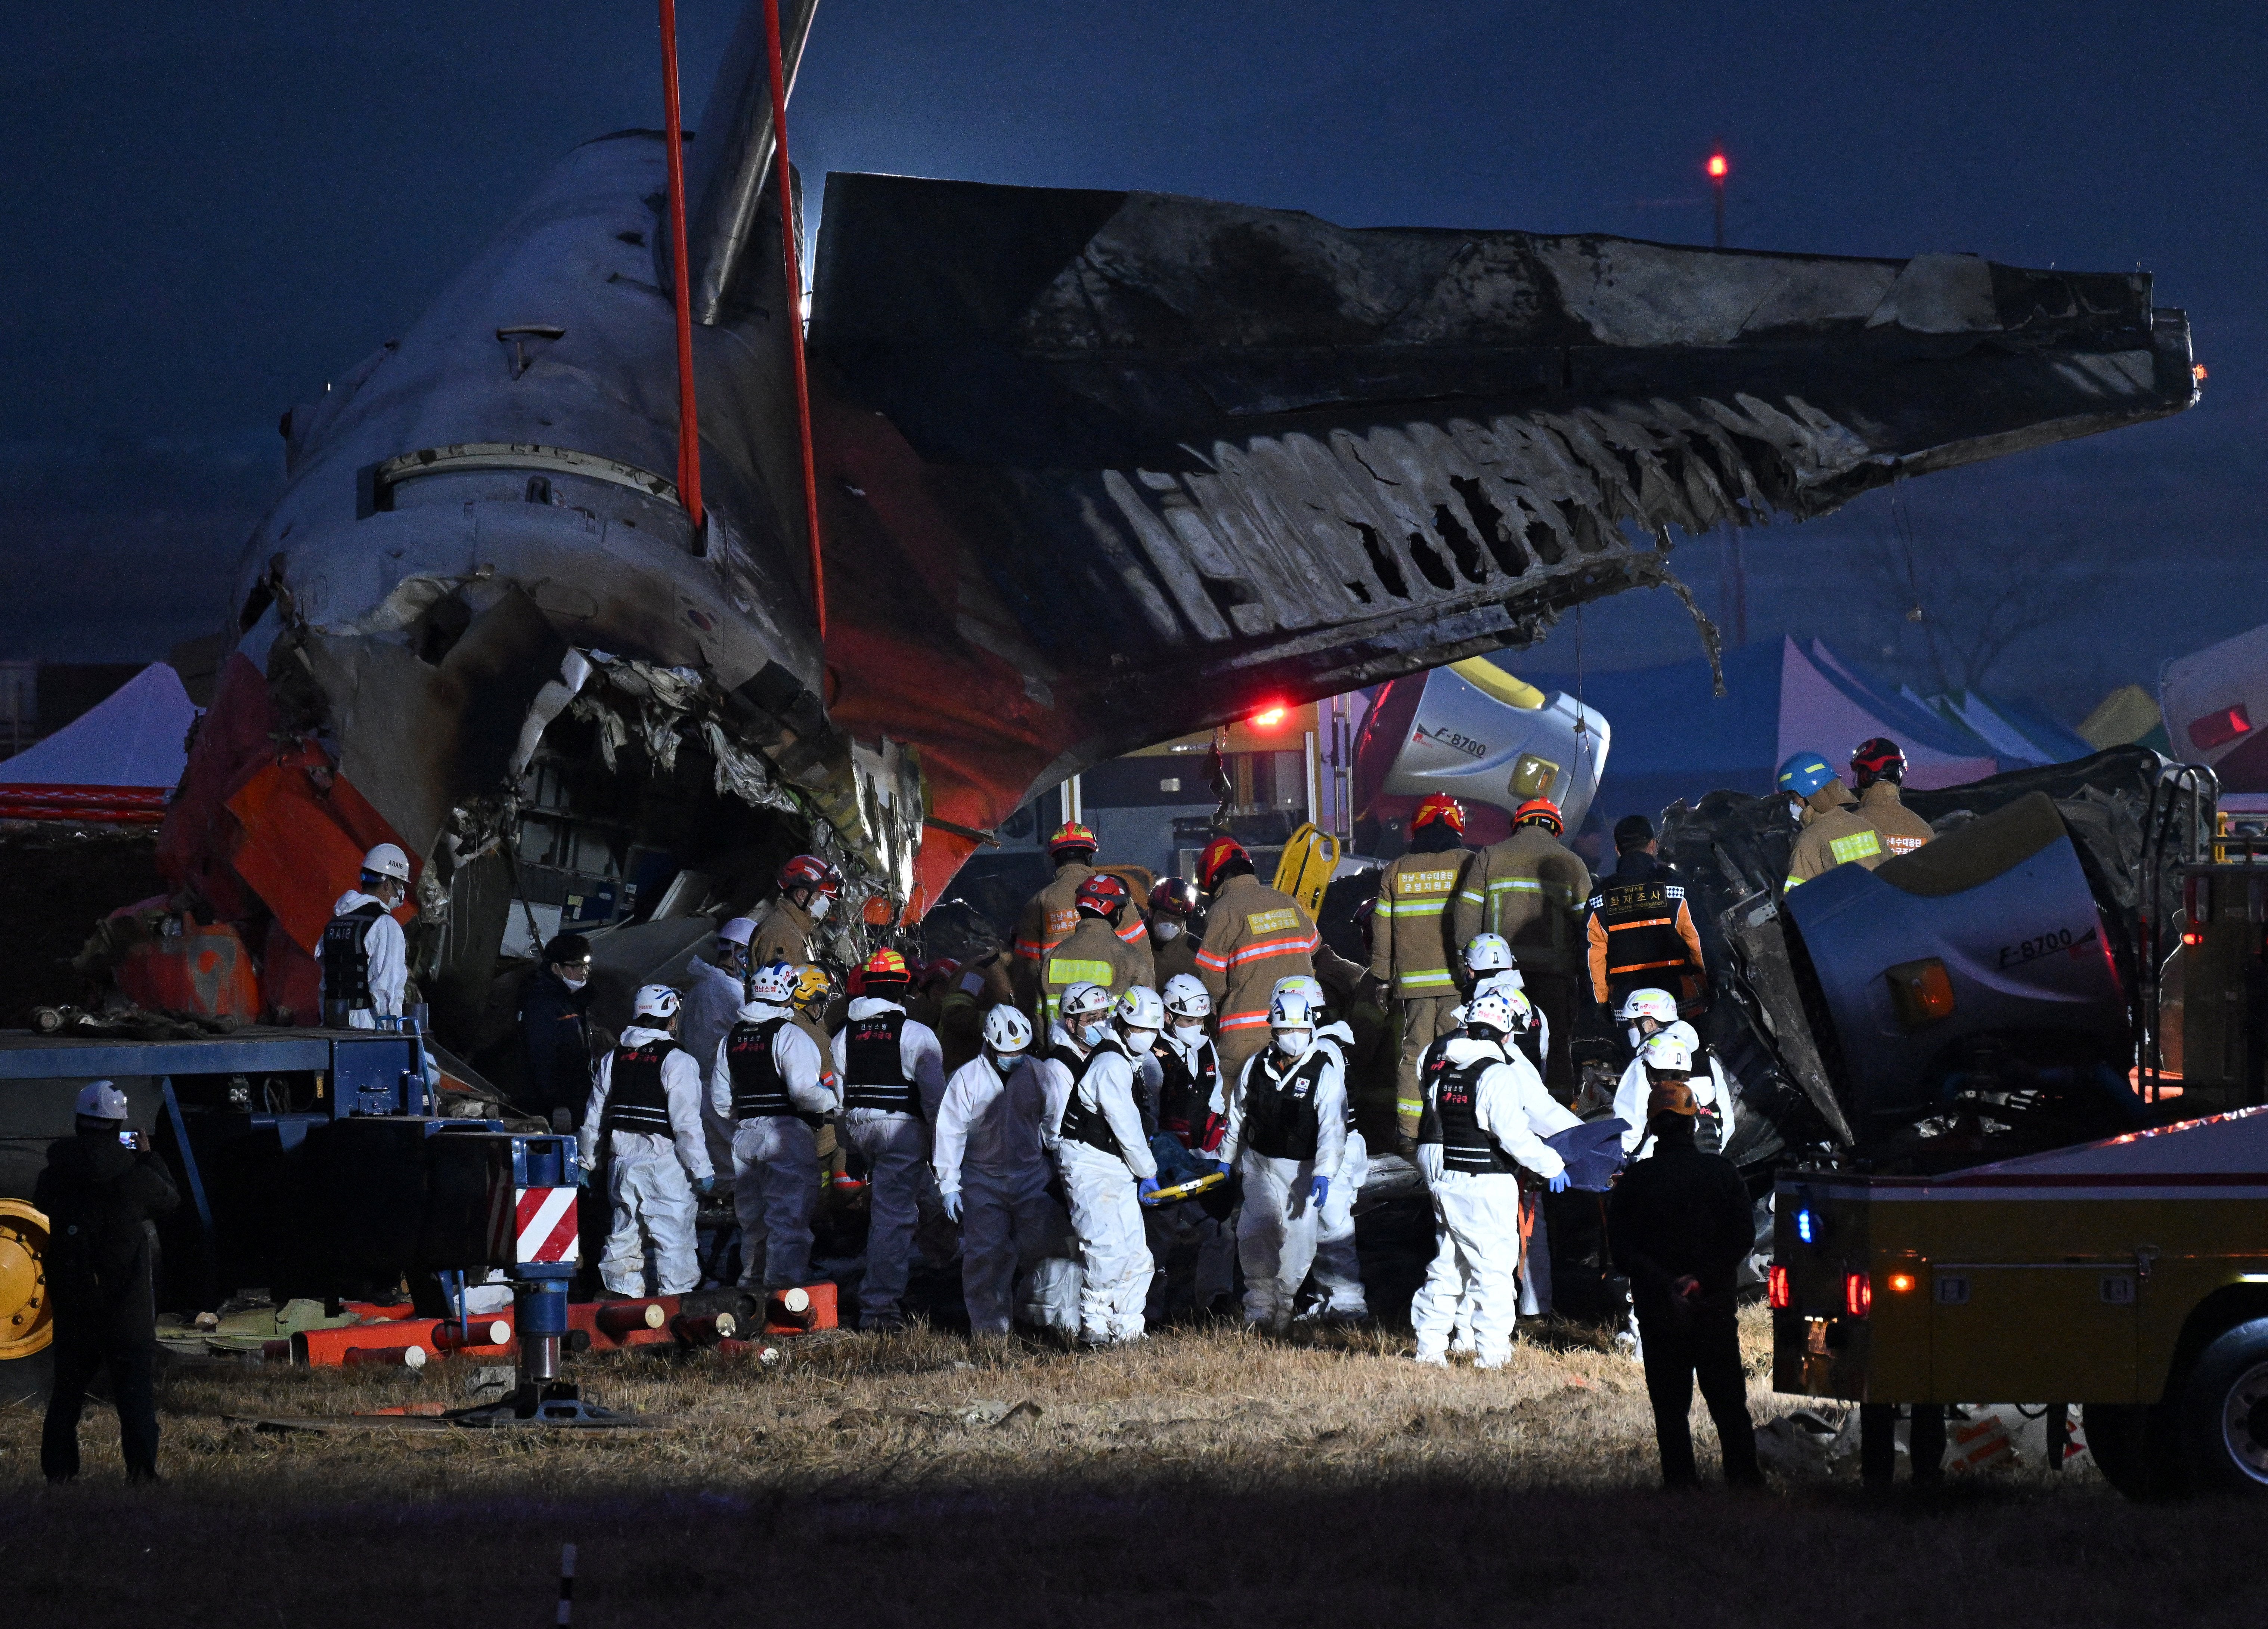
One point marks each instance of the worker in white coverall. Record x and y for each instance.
(991, 1172)
(1339, 1297)
(767, 1081)
(644, 1118)
(1286, 1135)
(716, 985)
(1472, 1145)
(1193, 1110)
(1490, 965)
(364, 960)
(1713, 1095)
(1093, 1127)
(892, 1073)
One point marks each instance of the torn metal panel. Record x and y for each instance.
(1210, 454)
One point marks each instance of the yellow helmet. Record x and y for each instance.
(812, 984)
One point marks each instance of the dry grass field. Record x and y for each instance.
(1201, 1476)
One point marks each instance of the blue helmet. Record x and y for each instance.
(1805, 773)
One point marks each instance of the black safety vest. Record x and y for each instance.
(636, 1099)
(346, 957)
(759, 1090)
(1185, 1095)
(1644, 949)
(1452, 1117)
(1082, 1122)
(1279, 1112)
(874, 1066)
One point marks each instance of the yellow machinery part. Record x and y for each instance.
(1311, 860)
(1189, 1190)
(27, 1321)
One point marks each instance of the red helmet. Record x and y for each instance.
(1880, 758)
(1070, 837)
(808, 871)
(1217, 855)
(944, 970)
(1544, 812)
(1102, 896)
(885, 966)
(1441, 807)
(1174, 898)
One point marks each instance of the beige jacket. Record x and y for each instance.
(1409, 930)
(1902, 831)
(1094, 955)
(1253, 936)
(1048, 920)
(1530, 888)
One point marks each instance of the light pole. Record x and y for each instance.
(1718, 168)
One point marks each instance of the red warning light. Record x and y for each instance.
(1268, 717)
(1718, 168)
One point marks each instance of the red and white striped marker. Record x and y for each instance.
(566, 1585)
(546, 1225)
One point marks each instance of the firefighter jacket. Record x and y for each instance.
(1093, 953)
(1530, 888)
(1253, 936)
(1902, 831)
(1410, 947)
(1641, 933)
(1050, 916)
(1177, 954)
(1834, 837)
(784, 935)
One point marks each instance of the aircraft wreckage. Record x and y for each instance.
(1093, 468)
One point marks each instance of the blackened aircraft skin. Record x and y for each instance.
(1095, 469)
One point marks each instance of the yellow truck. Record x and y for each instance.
(2128, 1276)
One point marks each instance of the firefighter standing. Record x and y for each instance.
(1253, 936)
(1878, 770)
(1050, 916)
(1834, 832)
(1530, 888)
(808, 888)
(1172, 945)
(1641, 932)
(1410, 949)
(1095, 951)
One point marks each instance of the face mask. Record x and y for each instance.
(819, 904)
(1092, 1034)
(1141, 1040)
(1164, 933)
(575, 981)
(1007, 1062)
(1189, 1029)
(1291, 1043)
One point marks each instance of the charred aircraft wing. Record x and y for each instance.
(1102, 467)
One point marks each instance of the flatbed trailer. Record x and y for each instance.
(2128, 1276)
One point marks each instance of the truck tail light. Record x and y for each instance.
(1902, 1283)
(1776, 1287)
(1858, 1294)
(2196, 908)
(1922, 992)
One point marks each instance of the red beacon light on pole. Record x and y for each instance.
(1718, 166)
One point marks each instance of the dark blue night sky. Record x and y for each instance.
(214, 208)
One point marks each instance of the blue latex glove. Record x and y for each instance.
(1322, 1185)
(952, 1202)
(1147, 1190)
(1558, 1185)
(707, 1184)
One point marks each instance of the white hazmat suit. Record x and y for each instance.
(713, 998)
(1338, 1269)
(1477, 1213)
(890, 1094)
(775, 1162)
(1094, 1130)
(1286, 1126)
(650, 1170)
(1712, 1093)
(989, 1156)
(389, 954)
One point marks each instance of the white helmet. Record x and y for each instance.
(386, 860)
(1658, 1005)
(1492, 1009)
(655, 1002)
(1007, 1030)
(738, 932)
(100, 1100)
(1489, 953)
(773, 984)
(1304, 985)
(1668, 1053)
(1084, 1000)
(1684, 1032)
(1186, 998)
(1509, 978)
(1291, 1009)
(1139, 1008)
(1523, 1010)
